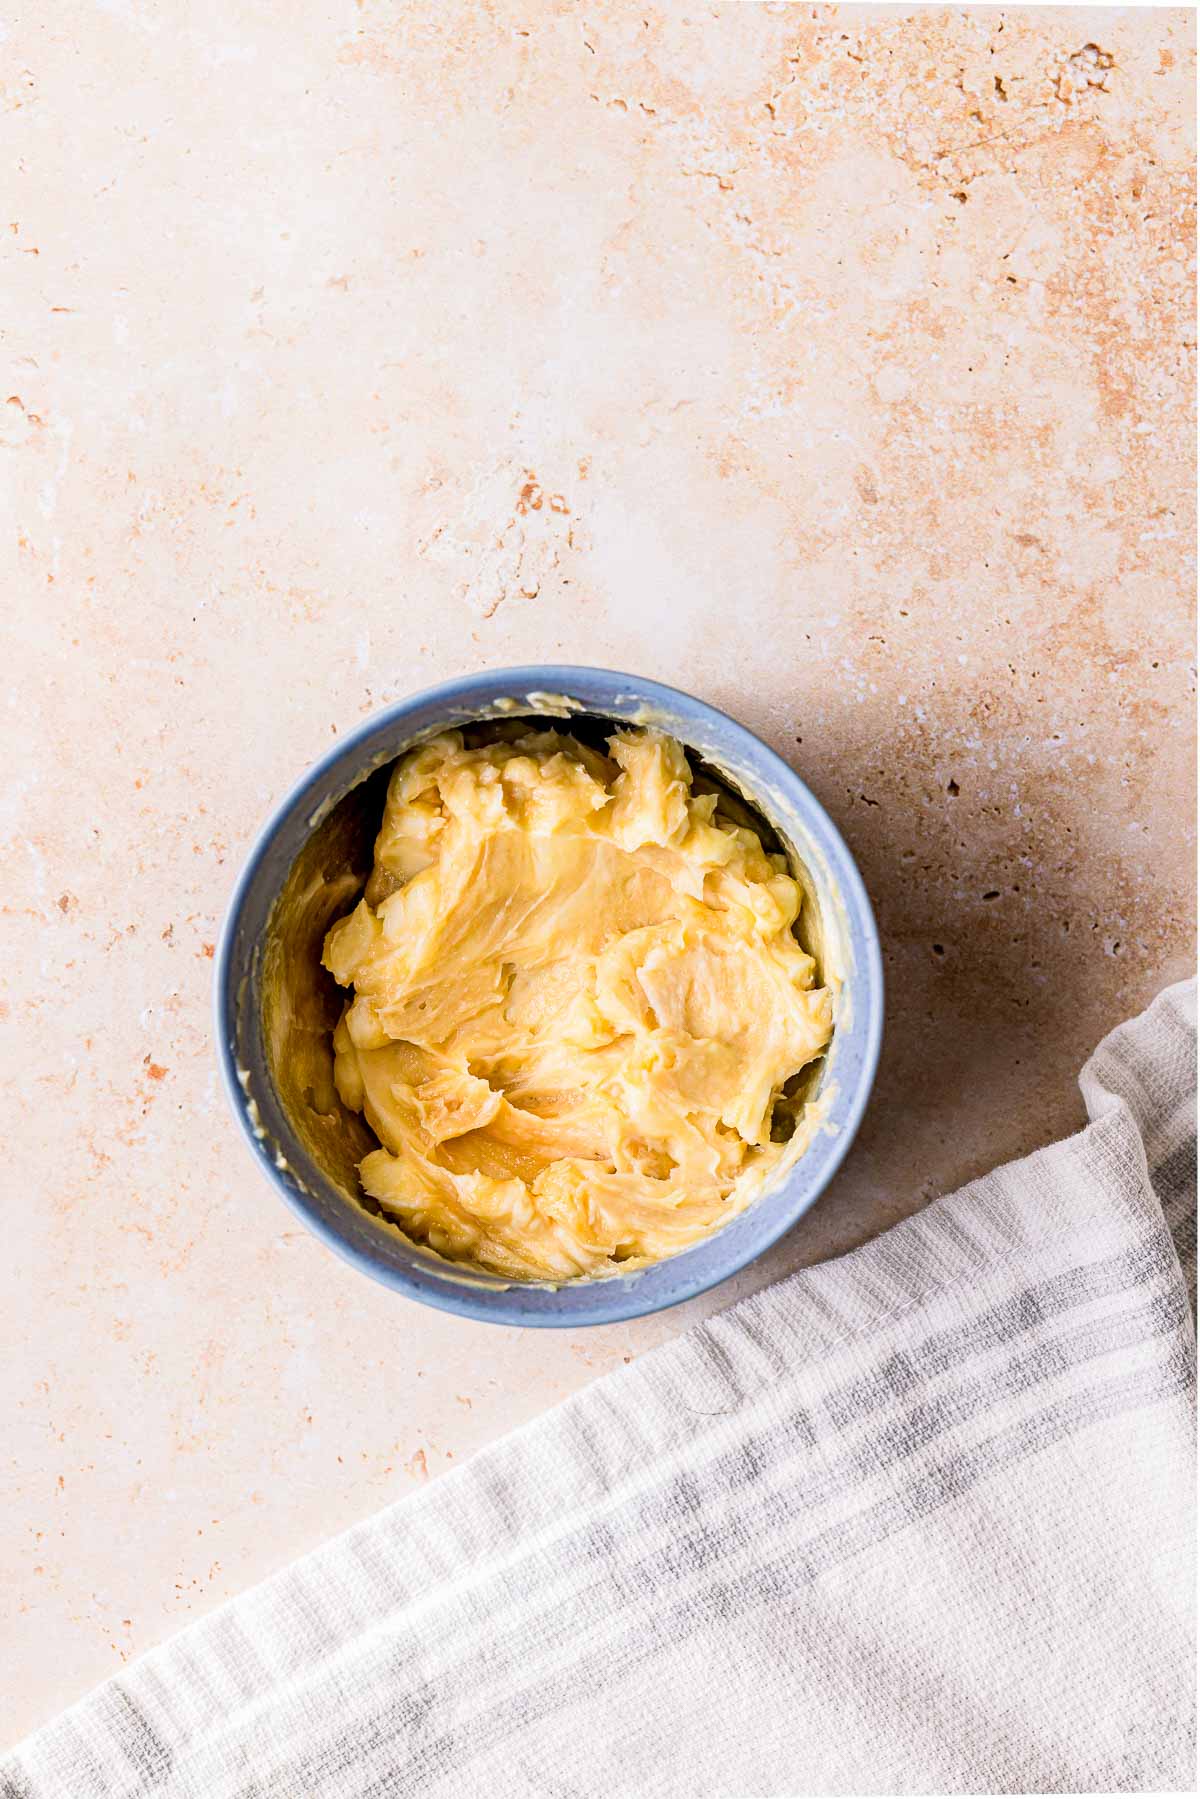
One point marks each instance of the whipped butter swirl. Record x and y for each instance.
(578, 998)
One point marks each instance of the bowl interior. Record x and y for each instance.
(278, 1006)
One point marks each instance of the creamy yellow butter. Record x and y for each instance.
(577, 997)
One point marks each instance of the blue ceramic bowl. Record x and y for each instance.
(276, 1007)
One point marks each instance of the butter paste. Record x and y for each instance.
(578, 999)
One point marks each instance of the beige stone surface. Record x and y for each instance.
(831, 363)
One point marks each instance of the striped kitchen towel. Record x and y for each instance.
(916, 1521)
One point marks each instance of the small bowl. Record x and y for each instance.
(276, 1006)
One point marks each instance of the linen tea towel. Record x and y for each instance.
(918, 1520)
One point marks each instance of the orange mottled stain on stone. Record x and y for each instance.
(530, 497)
(533, 497)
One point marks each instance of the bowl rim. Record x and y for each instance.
(616, 1298)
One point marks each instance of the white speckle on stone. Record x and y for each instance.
(218, 55)
(892, 383)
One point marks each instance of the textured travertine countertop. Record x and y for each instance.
(833, 364)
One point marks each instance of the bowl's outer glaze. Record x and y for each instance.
(748, 765)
